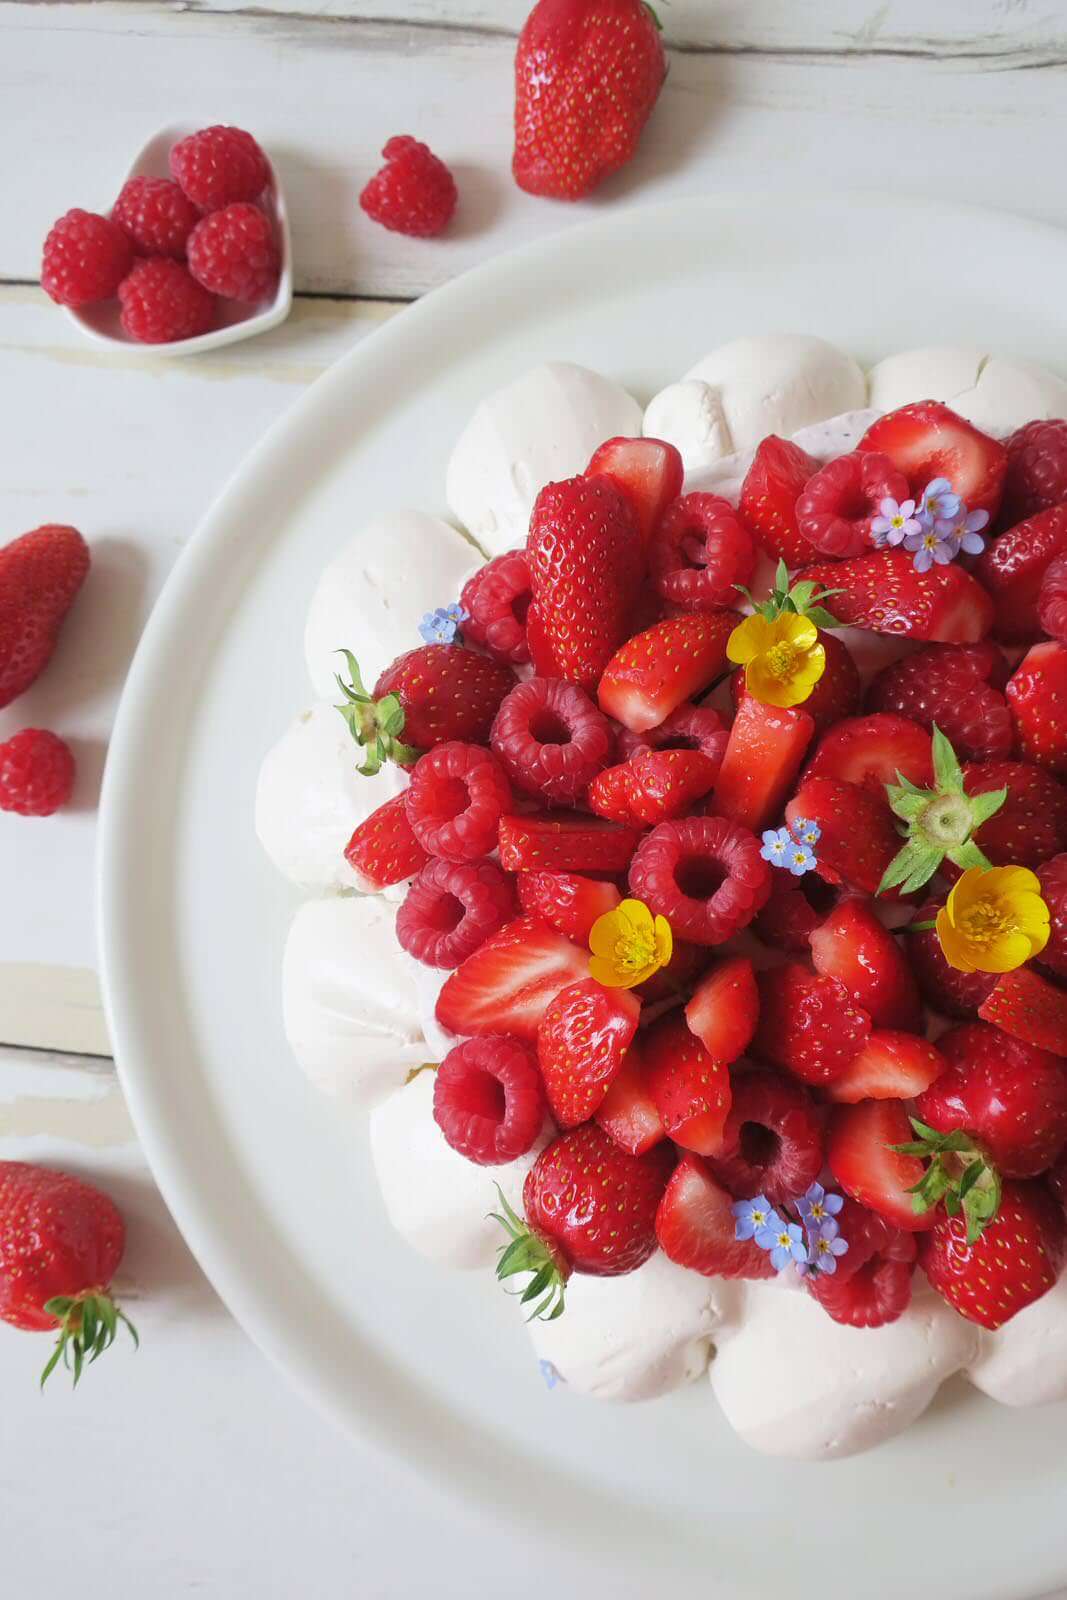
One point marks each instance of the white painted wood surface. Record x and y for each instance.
(191, 1467)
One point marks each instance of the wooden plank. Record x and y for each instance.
(324, 98)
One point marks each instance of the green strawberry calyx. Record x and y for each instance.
(959, 1175)
(526, 1251)
(88, 1324)
(938, 823)
(799, 599)
(375, 725)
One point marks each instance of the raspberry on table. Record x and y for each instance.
(413, 193)
(233, 253)
(156, 216)
(772, 1140)
(488, 1099)
(85, 258)
(451, 908)
(704, 874)
(700, 552)
(688, 727)
(457, 796)
(1037, 470)
(497, 599)
(161, 302)
(219, 165)
(36, 773)
(551, 739)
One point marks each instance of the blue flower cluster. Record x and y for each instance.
(442, 626)
(804, 1231)
(934, 528)
(793, 850)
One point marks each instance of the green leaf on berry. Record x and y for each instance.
(375, 726)
(526, 1251)
(88, 1324)
(940, 822)
(959, 1175)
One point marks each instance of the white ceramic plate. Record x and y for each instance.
(269, 1185)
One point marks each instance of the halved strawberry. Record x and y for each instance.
(724, 1010)
(808, 1025)
(769, 494)
(872, 750)
(628, 1112)
(566, 900)
(690, 1088)
(927, 440)
(892, 1065)
(505, 986)
(652, 786)
(883, 592)
(763, 756)
(648, 471)
(695, 1226)
(858, 837)
(383, 850)
(858, 1140)
(1016, 1259)
(651, 675)
(1030, 1008)
(853, 946)
(565, 841)
(837, 693)
(1012, 569)
(958, 687)
(1037, 695)
(581, 1040)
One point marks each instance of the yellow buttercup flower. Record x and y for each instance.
(783, 659)
(993, 920)
(628, 945)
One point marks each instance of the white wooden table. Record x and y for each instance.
(192, 1467)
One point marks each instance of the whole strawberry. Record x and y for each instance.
(40, 574)
(585, 558)
(587, 75)
(1013, 1262)
(61, 1241)
(432, 694)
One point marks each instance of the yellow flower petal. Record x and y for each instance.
(954, 946)
(664, 941)
(637, 918)
(798, 631)
(603, 935)
(1006, 882)
(605, 973)
(749, 639)
(1011, 950)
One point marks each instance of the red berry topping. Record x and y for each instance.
(837, 693)
(457, 795)
(40, 575)
(794, 909)
(1031, 825)
(505, 985)
(892, 1065)
(655, 672)
(161, 302)
(1052, 600)
(772, 1141)
(1037, 469)
(648, 471)
(883, 592)
(927, 440)
(85, 259)
(768, 505)
(551, 739)
(219, 165)
(446, 692)
(724, 1009)
(704, 874)
(762, 758)
(871, 1285)
(36, 773)
(871, 751)
(1012, 569)
(595, 1202)
(581, 1041)
(859, 838)
(1053, 878)
(696, 1226)
(859, 1153)
(837, 505)
(413, 193)
(451, 909)
(156, 215)
(233, 253)
(1030, 1008)
(1016, 1259)
(497, 599)
(565, 842)
(944, 988)
(700, 553)
(809, 1025)
(688, 728)
(949, 684)
(383, 850)
(487, 1099)
(628, 1112)
(853, 946)
(653, 786)
(690, 1088)
(566, 900)
(1037, 693)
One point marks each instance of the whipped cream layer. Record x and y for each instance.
(995, 393)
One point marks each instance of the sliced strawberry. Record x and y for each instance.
(858, 838)
(794, 909)
(690, 1088)
(611, 794)
(1012, 570)
(1030, 1008)
(769, 495)
(927, 440)
(653, 786)
(724, 1010)
(537, 643)
(648, 471)
(628, 1112)
(871, 751)
(564, 841)
(685, 966)
(695, 1226)
(505, 985)
(566, 900)
(892, 1065)
(1016, 1259)
(1037, 695)
(383, 850)
(763, 756)
(858, 1140)
(883, 592)
(653, 673)
(853, 946)
(956, 686)
(1031, 825)
(808, 1025)
(581, 1040)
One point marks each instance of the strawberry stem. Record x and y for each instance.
(938, 822)
(526, 1251)
(375, 725)
(959, 1175)
(88, 1324)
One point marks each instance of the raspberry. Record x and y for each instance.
(233, 253)
(156, 216)
(700, 552)
(1053, 878)
(36, 773)
(1037, 470)
(688, 728)
(457, 795)
(704, 874)
(872, 1282)
(947, 684)
(161, 302)
(498, 598)
(413, 193)
(793, 910)
(772, 1141)
(944, 988)
(834, 511)
(488, 1100)
(219, 165)
(552, 739)
(85, 258)
(1052, 600)
(452, 908)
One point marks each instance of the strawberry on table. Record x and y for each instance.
(884, 592)
(565, 841)
(1037, 695)
(772, 1142)
(1015, 1260)
(860, 1154)
(628, 1113)
(769, 495)
(696, 1227)
(853, 946)
(958, 687)
(724, 1009)
(40, 575)
(429, 695)
(582, 1039)
(648, 471)
(653, 673)
(506, 985)
(567, 900)
(808, 1024)
(762, 758)
(1030, 1008)
(690, 1088)
(892, 1064)
(1013, 568)
(858, 839)
(871, 751)
(927, 440)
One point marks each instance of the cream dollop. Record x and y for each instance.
(996, 393)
